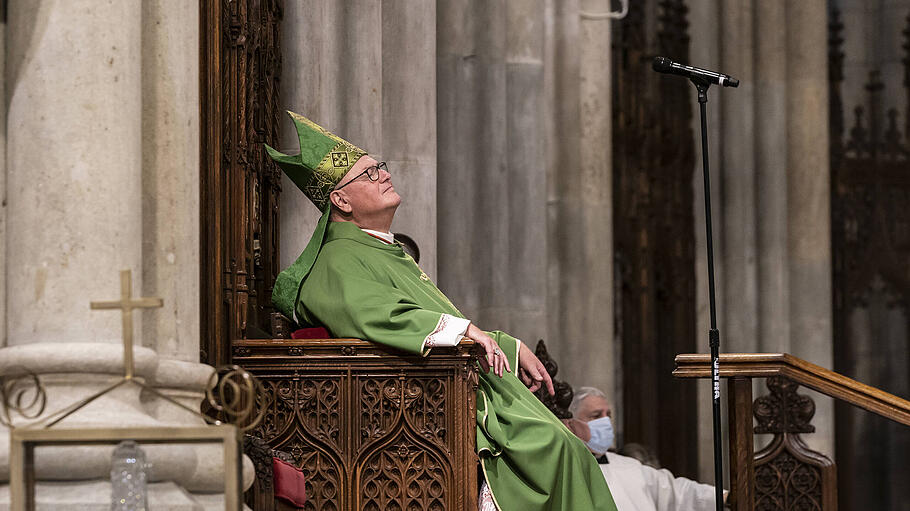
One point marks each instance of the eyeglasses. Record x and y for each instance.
(371, 172)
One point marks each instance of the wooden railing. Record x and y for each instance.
(795, 412)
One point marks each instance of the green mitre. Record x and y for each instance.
(323, 161)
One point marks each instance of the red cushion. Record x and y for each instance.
(311, 333)
(289, 482)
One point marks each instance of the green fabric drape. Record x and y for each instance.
(361, 287)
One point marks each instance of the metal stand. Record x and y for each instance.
(713, 333)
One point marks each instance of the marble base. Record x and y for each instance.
(96, 496)
(72, 371)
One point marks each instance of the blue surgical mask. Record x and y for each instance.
(601, 435)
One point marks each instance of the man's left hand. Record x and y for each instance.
(532, 372)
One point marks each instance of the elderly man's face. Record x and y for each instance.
(593, 407)
(369, 197)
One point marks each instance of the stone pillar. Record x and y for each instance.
(408, 117)
(809, 215)
(492, 177)
(594, 355)
(522, 218)
(471, 154)
(3, 188)
(773, 249)
(75, 215)
(170, 176)
(366, 71)
(333, 75)
(771, 118)
(704, 51)
(310, 85)
(736, 172)
(73, 166)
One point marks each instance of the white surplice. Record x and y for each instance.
(638, 487)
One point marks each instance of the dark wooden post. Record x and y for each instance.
(742, 470)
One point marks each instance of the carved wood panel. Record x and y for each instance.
(370, 428)
(870, 231)
(789, 475)
(240, 66)
(654, 238)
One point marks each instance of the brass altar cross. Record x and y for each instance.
(126, 304)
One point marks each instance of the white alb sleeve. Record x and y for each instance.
(448, 332)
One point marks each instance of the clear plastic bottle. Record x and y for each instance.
(128, 478)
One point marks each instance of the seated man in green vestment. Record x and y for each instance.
(354, 279)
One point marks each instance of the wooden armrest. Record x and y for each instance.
(247, 349)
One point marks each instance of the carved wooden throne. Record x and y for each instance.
(372, 429)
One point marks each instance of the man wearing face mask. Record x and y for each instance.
(635, 487)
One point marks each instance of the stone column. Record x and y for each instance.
(365, 71)
(588, 306)
(75, 216)
(522, 216)
(492, 177)
(170, 230)
(704, 51)
(472, 159)
(408, 121)
(311, 85)
(73, 166)
(3, 193)
(771, 117)
(736, 173)
(773, 250)
(809, 216)
(332, 74)
(170, 176)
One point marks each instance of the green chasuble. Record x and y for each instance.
(361, 287)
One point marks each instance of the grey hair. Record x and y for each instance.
(581, 394)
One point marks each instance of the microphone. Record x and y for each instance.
(665, 65)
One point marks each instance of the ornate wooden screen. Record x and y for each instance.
(870, 222)
(653, 164)
(240, 66)
(372, 429)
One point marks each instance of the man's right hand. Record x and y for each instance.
(495, 357)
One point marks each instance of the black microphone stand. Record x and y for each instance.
(713, 333)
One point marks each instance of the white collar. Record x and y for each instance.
(384, 236)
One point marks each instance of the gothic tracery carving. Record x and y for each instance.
(372, 430)
(787, 484)
(783, 411)
(423, 475)
(789, 475)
